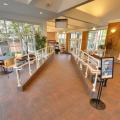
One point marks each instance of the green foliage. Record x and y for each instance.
(40, 41)
(27, 28)
(15, 27)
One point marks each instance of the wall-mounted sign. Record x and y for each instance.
(107, 67)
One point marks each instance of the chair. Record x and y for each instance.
(8, 64)
(18, 55)
(1, 64)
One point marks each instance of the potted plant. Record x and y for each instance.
(40, 41)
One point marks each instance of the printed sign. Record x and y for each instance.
(107, 68)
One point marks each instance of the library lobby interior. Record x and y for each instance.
(59, 60)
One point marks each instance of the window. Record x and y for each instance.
(2, 27)
(75, 40)
(96, 39)
(19, 36)
(62, 38)
(12, 27)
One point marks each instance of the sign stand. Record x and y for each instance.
(96, 102)
(107, 65)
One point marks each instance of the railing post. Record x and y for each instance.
(17, 74)
(18, 78)
(30, 71)
(46, 54)
(42, 56)
(86, 73)
(75, 50)
(37, 62)
(80, 65)
(77, 55)
(95, 83)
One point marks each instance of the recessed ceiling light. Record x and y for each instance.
(5, 4)
(41, 13)
(94, 28)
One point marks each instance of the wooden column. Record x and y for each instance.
(84, 40)
(113, 35)
(51, 36)
(67, 42)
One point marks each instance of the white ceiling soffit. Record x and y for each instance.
(58, 5)
(100, 8)
(67, 4)
(106, 10)
(82, 16)
(113, 16)
(73, 25)
(24, 1)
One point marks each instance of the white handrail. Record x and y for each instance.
(40, 55)
(92, 64)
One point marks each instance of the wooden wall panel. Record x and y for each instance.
(114, 37)
(84, 40)
(51, 36)
(67, 42)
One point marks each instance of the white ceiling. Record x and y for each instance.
(16, 9)
(104, 10)
(56, 5)
(100, 8)
(30, 9)
(89, 13)
(73, 25)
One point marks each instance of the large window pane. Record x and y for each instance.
(2, 27)
(19, 36)
(12, 27)
(96, 39)
(62, 38)
(75, 40)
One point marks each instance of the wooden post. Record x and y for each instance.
(84, 40)
(67, 42)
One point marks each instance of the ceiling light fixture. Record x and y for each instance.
(94, 28)
(5, 4)
(113, 30)
(41, 13)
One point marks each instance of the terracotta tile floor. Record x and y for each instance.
(57, 94)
